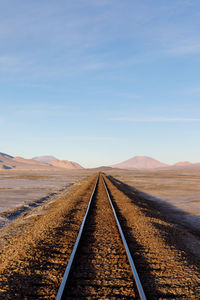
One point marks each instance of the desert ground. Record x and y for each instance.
(160, 222)
(176, 191)
(21, 191)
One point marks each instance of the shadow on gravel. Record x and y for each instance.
(176, 219)
(40, 267)
(138, 253)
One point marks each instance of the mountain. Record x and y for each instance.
(5, 161)
(185, 165)
(45, 158)
(66, 164)
(8, 162)
(140, 162)
(149, 163)
(182, 164)
(4, 155)
(53, 161)
(22, 160)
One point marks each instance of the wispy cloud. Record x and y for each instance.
(91, 138)
(10, 64)
(43, 109)
(191, 91)
(192, 47)
(76, 34)
(64, 138)
(92, 66)
(154, 119)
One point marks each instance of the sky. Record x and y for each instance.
(100, 81)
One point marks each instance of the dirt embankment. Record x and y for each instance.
(35, 248)
(167, 256)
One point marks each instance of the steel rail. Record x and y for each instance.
(135, 274)
(69, 265)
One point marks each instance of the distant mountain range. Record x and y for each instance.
(8, 162)
(149, 163)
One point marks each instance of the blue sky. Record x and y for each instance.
(100, 81)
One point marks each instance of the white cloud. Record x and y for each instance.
(10, 63)
(188, 48)
(64, 138)
(192, 90)
(91, 138)
(92, 66)
(43, 109)
(154, 119)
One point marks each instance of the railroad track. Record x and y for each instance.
(100, 266)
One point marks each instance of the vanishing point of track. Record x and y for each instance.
(100, 266)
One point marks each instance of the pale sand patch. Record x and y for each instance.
(21, 191)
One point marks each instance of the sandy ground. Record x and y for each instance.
(166, 252)
(21, 191)
(36, 246)
(176, 191)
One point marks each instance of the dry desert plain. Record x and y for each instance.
(31, 194)
(176, 191)
(22, 191)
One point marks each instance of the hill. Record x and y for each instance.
(66, 164)
(185, 166)
(8, 162)
(140, 162)
(45, 158)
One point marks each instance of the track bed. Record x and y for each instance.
(101, 268)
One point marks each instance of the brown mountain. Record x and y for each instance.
(53, 161)
(140, 162)
(149, 163)
(8, 162)
(182, 164)
(185, 165)
(45, 158)
(66, 164)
